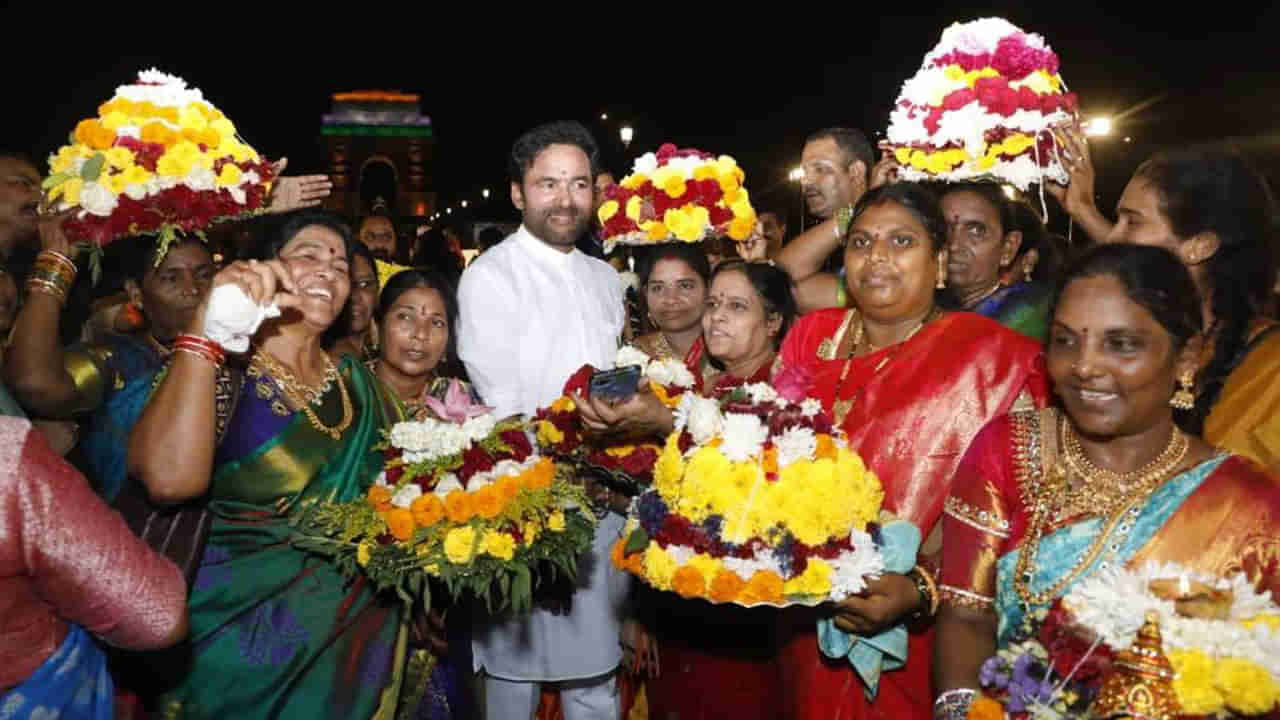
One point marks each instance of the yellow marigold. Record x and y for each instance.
(136, 175)
(661, 394)
(69, 190)
(635, 206)
(154, 132)
(190, 118)
(658, 566)
(548, 433)
(971, 78)
(632, 182)
(688, 582)
(115, 183)
(815, 581)
(488, 502)
(607, 210)
(531, 531)
(1041, 82)
(458, 507)
(499, 545)
(705, 172)
(688, 223)
(564, 403)
(619, 451)
(668, 469)
(119, 158)
(765, 586)
(556, 521)
(173, 165)
(674, 186)
(987, 162)
(741, 206)
(427, 510)
(229, 175)
(1246, 687)
(726, 586)
(114, 119)
(654, 230)
(1015, 144)
(460, 544)
(1193, 682)
(706, 565)
(985, 708)
(740, 228)
(363, 552)
(399, 522)
(902, 155)
(540, 476)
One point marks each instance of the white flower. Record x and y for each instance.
(237, 194)
(810, 407)
(97, 199)
(631, 355)
(507, 467)
(671, 373)
(201, 179)
(701, 416)
(447, 484)
(129, 131)
(761, 393)
(646, 164)
(152, 76)
(381, 480)
(743, 436)
(852, 568)
(794, 444)
(250, 177)
(405, 496)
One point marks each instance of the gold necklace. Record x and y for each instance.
(983, 296)
(1120, 510)
(1102, 492)
(304, 397)
(840, 408)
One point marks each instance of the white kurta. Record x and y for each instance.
(529, 317)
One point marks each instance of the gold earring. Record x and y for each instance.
(1026, 272)
(942, 277)
(1183, 399)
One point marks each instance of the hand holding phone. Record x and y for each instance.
(617, 384)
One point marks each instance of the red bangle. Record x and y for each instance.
(201, 346)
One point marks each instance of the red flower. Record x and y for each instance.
(666, 151)
(474, 460)
(685, 442)
(933, 120)
(995, 94)
(394, 474)
(965, 60)
(521, 449)
(1067, 649)
(639, 464)
(957, 99)
(577, 382)
(1015, 60)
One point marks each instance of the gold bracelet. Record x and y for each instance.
(930, 589)
(207, 357)
(46, 287)
(57, 258)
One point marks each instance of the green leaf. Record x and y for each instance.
(93, 167)
(521, 590)
(638, 541)
(55, 180)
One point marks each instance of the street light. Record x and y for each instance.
(626, 133)
(1098, 126)
(604, 116)
(485, 193)
(448, 211)
(464, 203)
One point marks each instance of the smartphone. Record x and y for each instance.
(617, 384)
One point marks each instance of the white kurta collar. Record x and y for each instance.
(541, 251)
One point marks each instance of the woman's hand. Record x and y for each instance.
(640, 415)
(885, 171)
(885, 601)
(263, 281)
(1076, 197)
(295, 193)
(640, 650)
(428, 630)
(756, 246)
(52, 236)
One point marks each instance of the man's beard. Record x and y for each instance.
(541, 227)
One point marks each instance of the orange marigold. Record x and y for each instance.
(154, 132)
(488, 502)
(765, 586)
(985, 708)
(380, 497)
(617, 554)
(769, 463)
(508, 488)
(427, 510)
(726, 586)
(688, 582)
(400, 521)
(826, 447)
(458, 507)
(539, 476)
(635, 564)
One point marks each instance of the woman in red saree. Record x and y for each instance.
(911, 386)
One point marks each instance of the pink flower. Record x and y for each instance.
(457, 406)
(793, 383)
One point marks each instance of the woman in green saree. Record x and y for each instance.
(275, 632)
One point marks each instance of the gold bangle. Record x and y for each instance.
(57, 258)
(208, 357)
(930, 589)
(46, 287)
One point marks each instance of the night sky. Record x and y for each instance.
(750, 84)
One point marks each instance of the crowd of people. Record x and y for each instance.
(963, 347)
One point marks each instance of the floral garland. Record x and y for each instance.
(157, 158)
(980, 106)
(677, 195)
(462, 499)
(756, 500)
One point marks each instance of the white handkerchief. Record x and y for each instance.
(232, 317)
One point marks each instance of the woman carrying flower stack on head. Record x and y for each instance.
(712, 661)
(415, 315)
(673, 286)
(1046, 502)
(276, 631)
(911, 386)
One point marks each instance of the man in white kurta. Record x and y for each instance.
(531, 314)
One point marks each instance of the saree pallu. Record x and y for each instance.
(1023, 307)
(1221, 517)
(276, 632)
(1246, 417)
(915, 408)
(72, 684)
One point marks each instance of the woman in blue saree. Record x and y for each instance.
(1045, 499)
(275, 632)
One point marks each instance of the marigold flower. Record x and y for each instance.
(826, 448)
(119, 158)
(458, 507)
(115, 183)
(769, 462)
(488, 503)
(564, 403)
(499, 545)
(154, 132)
(688, 582)
(658, 566)
(985, 708)
(635, 205)
(548, 433)
(459, 545)
(229, 176)
(400, 522)
(674, 186)
(540, 476)
(726, 586)
(619, 451)
(556, 521)
(815, 581)
(508, 488)
(136, 175)
(427, 510)
(741, 228)
(634, 182)
(655, 230)
(1193, 682)
(617, 554)
(531, 531)
(607, 210)
(1246, 687)
(765, 586)
(363, 552)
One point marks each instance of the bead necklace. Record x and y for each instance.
(1120, 510)
(303, 396)
(840, 407)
